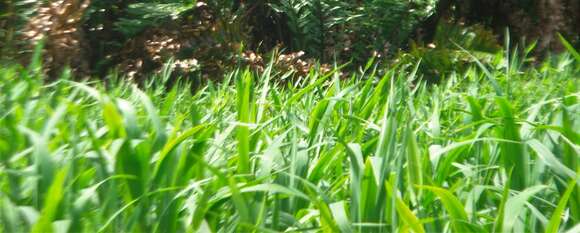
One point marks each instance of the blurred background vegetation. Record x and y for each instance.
(202, 39)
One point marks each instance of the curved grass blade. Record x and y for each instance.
(405, 212)
(515, 205)
(550, 159)
(569, 47)
(454, 208)
(556, 218)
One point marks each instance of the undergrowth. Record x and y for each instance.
(491, 149)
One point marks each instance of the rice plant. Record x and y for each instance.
(492, 149)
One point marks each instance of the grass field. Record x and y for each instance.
(492, 149)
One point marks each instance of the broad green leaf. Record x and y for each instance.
(53, 200)
(414, 161)
(513, 155)
(339, 213)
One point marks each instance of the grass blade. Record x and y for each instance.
(556, 218)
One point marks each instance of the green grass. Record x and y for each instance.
(379, 152)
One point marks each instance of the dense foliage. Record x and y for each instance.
(491, 149)
(137, 37)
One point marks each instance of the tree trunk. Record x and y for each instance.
(538, 20)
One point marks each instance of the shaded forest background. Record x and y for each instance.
(203, 38)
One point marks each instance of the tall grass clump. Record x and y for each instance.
(491, 149)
